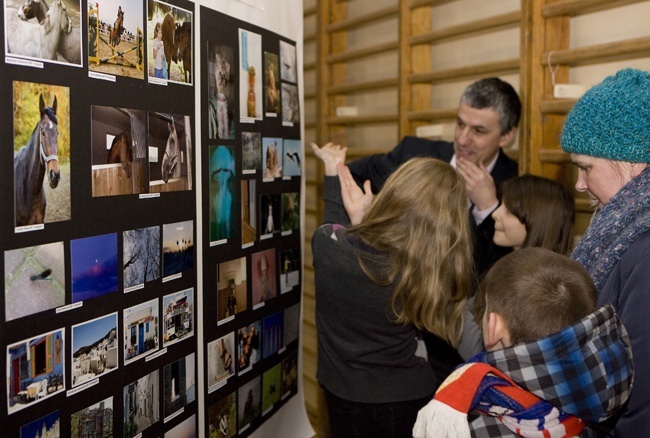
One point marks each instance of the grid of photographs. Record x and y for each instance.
(97, 240)
(252, 166)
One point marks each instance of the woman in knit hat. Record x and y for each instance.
(607, 134)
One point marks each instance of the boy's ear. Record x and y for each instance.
(497, 332)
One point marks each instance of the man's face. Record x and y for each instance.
(600, 178)
(478, 134)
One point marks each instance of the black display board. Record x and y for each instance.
(251, 165)
(99, 322)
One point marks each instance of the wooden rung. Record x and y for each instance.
(361, 53)
(504, 21)
(362, 120)
(420, 3)
(506, 66)
(557, 106)
(433, 114)
(310, 95)
(553, 156)
(310, 125)
(599, 53)
(356, 22)
(580, 7)
(309, 66)
(306, 12)
(362, 86)
(309, 38)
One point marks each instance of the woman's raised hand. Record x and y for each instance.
(357, 201)
(331, 155)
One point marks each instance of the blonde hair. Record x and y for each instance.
(420, 221)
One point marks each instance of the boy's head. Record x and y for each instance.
(532, 293)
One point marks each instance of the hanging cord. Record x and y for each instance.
(551, 69)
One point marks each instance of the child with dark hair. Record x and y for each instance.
(553, 366)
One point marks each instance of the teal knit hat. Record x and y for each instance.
(612, 119)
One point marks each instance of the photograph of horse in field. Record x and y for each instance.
(69, 47)
(41, 154)
(170, 156)
(116, 38)
(176, 26)
(33, 39)
(119, 151)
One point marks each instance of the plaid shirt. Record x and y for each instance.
(585, 370)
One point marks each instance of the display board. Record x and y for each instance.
(252, 156)
(152, 275)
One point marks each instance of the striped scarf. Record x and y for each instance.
(614, 228)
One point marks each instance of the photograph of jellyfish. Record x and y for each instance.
(269, 215)
(223, 196)
(222, 416)
(178, 316)
(35, 369)
(34, 280)
(232, 286)
(94, 266)
(221, 92)
(94, 348)
(141, 330)
(221, 361)
(264, 276)
(141, 259)
(271, 388)
(179, 384)
(95, 420)
(47, 426)
(178, 249)
(141, 404)
(291, 160)
(251, 152)
(249, 403)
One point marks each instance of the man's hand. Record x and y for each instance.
(331, 154)
(356, 201)
(478, 183)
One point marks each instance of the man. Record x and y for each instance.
(487, 120)
(488, 116)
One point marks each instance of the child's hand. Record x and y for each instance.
(331, 154)
(356, 201)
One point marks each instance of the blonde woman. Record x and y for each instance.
(385, 267)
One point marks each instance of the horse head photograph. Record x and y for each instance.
(37, 156)
(170, 152)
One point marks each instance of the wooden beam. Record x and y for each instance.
(580, 7)
(351, 55)
(486, 25)
(360, 87)
(506, 66)
(599, 53)
(363, 20)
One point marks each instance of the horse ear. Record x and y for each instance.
(41, 103)
(54, 105)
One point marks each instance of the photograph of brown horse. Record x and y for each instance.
(33, 163)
